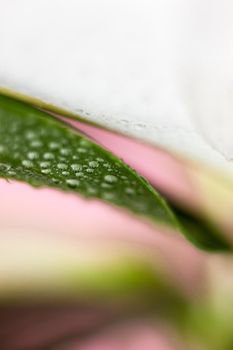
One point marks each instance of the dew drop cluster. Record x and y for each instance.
(37, 148)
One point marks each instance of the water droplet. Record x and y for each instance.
(27, 163)
(129, 190)
(2, 149)
(79, 174)
(84, 143)
(65, 151)
(11, 172)
(46, 171)
(81, 150)
(140, 206)
(54, 145)
(91, 190)
(4, 167)
(36, 144)
(62, 166)
(44, 164)
(108, 196)
(32, 155)
(100, 160)
(105, 185)
(76, 167)
(72, 182)
(110, 178)
(16, 155)
(93, 164)
(30, 135)
(48, 155)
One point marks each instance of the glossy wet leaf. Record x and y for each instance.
(38, 149)
(43, 151)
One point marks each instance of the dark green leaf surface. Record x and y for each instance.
(201, 232)
(38, 149)
(43, 151)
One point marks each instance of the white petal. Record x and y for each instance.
(158, 70)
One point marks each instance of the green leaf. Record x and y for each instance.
(43, 151)
(39, 149)
(200, 231)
